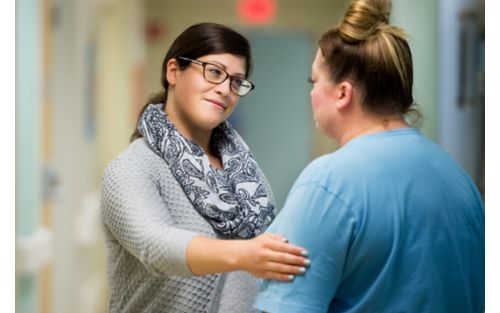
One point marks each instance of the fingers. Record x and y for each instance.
(288, 248)
(282, 252)
(281, 268)
(279, 271)
(281, 244)
(289, 259)
(278, 260)
(278, 276)
(282, 272)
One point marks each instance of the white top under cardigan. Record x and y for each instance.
(148, 222)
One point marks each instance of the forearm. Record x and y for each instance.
(207, 256)
(265, 256)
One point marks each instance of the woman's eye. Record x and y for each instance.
(215, 71)
(238, 81)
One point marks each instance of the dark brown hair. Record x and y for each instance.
(196, 41)
(373, 55)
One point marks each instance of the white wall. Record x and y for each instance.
(74, 155)
(461, 128)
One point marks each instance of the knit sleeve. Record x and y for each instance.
(134, 213)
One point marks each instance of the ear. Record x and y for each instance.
(344, 94)
(172, 71)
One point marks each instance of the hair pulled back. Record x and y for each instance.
(194, 42)
(375, 56)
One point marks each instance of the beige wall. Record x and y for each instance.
(120, 58)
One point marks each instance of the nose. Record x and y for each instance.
(224, 88)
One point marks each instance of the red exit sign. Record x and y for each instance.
(256, 12)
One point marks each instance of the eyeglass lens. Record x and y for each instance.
(217, 75)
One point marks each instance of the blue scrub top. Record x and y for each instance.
(391, 223)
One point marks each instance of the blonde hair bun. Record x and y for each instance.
(364, 18)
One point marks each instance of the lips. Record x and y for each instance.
(217, 103)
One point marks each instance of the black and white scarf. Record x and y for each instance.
(233, 200)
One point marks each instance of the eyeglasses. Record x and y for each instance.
(217, 75)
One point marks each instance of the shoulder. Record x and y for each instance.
(136, 162)
(359, 157)
(137, 150)
(321, 169)
(138, 155)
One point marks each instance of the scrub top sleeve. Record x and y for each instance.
(321, 222)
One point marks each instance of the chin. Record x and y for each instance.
(212, 123)
(216, 118)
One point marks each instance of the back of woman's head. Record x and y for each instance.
(196, 41)
(373, 55)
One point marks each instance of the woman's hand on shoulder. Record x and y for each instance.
(270, 256)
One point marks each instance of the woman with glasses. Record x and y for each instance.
(186, 201)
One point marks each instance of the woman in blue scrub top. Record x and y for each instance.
(391, 222)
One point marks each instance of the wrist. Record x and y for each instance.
(234, 258)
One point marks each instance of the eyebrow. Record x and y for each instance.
(224, 67)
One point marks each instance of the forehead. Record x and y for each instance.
(318, 61)
(230, 62)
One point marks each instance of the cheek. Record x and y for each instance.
(316, 98)
(231, 105)
(233, 99)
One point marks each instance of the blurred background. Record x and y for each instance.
(84, 68)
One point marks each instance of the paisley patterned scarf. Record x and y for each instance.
(233, 200)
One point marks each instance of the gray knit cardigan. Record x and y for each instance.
(148, 222)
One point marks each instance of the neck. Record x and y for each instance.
(188, 129)
(370, 124)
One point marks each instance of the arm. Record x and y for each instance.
(134, 213)
(135, 216)
(266, 256)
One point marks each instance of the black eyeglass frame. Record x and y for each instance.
(204, 64)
